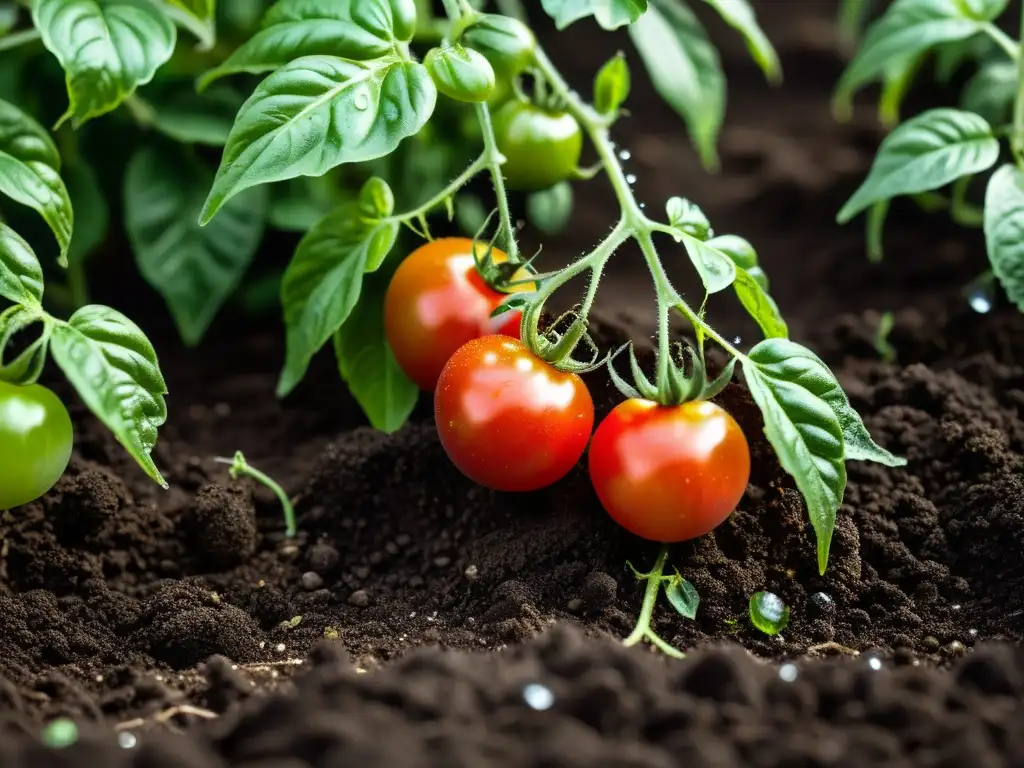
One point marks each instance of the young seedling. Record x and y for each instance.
(768, 613)
(947, 148)
(239, 467)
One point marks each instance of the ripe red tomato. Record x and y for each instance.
(669, 473)
(437, 301)
(509, 420)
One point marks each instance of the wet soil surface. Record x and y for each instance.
(418, 620)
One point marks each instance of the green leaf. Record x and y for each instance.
(927, 152)
(30, 173)
(367, 364)
(1004, 230)
(319, 112)
(683, 596)
(898, 78)
(688, 218)
(610, 14)
(991, 91)
(908, 29)
(8, 16)
(793, 395)
(612, 85)
(739, 14)
(195, 118)
(194, 268)
(874, 226)
(760, 306)
(717, 271)
(768, 613)
(198, 17)
(685, 70)
(349, 29)
(886, 351)
(550, 210)
(736, 248)
(93, 213)
(298, 204)
(461, 73)
(27, 365)
(114, 368)
(324, 280)
(21, 276)
(107, 48)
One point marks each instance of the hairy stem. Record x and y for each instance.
(494, 160)
(458, 183)
(1003, 40)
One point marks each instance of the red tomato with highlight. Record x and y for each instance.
(669, 473)
(437, 301)
(509, 420)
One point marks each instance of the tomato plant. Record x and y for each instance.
(438, 300)
(508, 419)
(35, 442)
(936, 156)
(669, 472)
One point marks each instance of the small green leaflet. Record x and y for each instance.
(927, 152)
(296, 28)
(198, 17)
(107, 49)
(991, 91)
(685, 69)
(739, 14)
(114, 368)
(21, 276)
(324, 280)
(367, 364)
(30, 173)
(760, 306)
(610, 14)
(194, 268)
(906, 30)
(683, 596)
(716, 270)
(768, 613)
(28, 364)
(1004, 230)
(315, 114)
(612, 85)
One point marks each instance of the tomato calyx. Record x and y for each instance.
(676, 385)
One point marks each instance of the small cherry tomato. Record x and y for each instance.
(35, 442)
(669, 473)
(541, 147)
(437, 301)
(509, 420)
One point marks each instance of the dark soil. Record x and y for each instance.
(125, 606)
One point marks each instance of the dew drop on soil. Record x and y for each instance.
(788, 672)
(875, 663)
(980, 294)
(625, 154)
(822, 601)
(538, 696)
(126, 740)
(737, 340)
(631, 178)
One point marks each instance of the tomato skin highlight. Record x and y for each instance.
(36, 438)
(669, 473)
(509, 420)
(436, 302)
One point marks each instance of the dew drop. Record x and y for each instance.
(538, 696)
(362, 101)
(737, 340)
(126, 740)
(625, 154)
(981, 294)
(642, 206)
(875, 663)
(631, 178)
(788, 672)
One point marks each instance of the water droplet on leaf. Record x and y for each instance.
(126, 740)
(768, 613)
(538, 696)
(631, 178)
(362, 101)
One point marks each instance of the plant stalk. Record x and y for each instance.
(18, 39)
(1017, 138)
(240, 467)
(643, 622)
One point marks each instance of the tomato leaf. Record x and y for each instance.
(612, 85)
(717, 271)
(991, 91)
(324, 280)
(30, 173)
(760, 306)
(610, 14)
(319, 112)
(114, 368)
(804, 430)
(194, 268)
(195, 118)
(685, 69)
(927, 152)
(683, 596)
(688, 217)
(107, 49)
(908, 29)
(896, 82)
(21, 276)
(350, 29)
(88, 199)
(739, 14)
(1004, 230)
(198, 17)
(367, 364)
(27, 366)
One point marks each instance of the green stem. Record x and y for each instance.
(643, 622)
(78, 285)
(240, 467)
(1003, 40)
(1017, 138)
(494, 160)
(458, 183)
(18, 39)
(140, 110)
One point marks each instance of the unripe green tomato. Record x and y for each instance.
(461, 73)
(506, 42)
(541, 148)
(35, 442)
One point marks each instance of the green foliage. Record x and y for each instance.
(768, 613)
(1004, 230)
